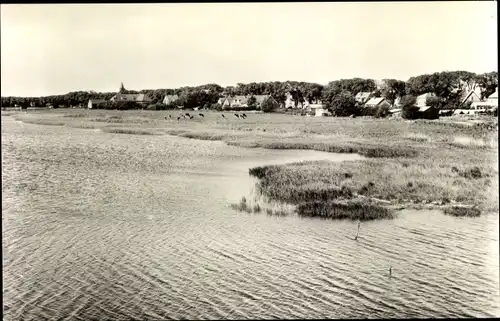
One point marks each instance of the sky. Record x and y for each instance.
(51, 49)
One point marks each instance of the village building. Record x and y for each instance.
(242, 101)
(94, 103)
(170, 99)
(377, 102)
(422, 99)
(489, 103)
(471, 97)
(142, 99)
(363, 97)
(290, 103)
(319, 110)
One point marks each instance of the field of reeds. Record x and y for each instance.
(440, 163)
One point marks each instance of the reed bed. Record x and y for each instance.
(130, 131)
(462, 211)
(355, 210)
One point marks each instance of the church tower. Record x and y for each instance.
(122, 89)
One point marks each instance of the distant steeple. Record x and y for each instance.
(122, 89)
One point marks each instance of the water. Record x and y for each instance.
(110, 226)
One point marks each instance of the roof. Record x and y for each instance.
(316, 106)
(242, 99)
(426, 95)
(131, 97)
(375, 101)
(424, 108)
(471, 93)
(363, 95)
(171, 97)
(397, 110)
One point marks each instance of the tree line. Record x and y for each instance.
(338, 96)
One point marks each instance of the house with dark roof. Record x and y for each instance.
(377, 102)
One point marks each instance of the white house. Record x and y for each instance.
(421, 100)
(490, 103)
(319, 110)
(290, 103)
(472, 96)
(170, 99)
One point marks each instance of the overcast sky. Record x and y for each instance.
(54, 49)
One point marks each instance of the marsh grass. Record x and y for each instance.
(355, 210)
(130, 131)
(462, 211)
(263, 206)
(392, 180)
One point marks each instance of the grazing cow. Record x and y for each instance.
(187, 114)
(244, 115)
(223, 116)
(202, 115)
(169, 116)
(238, 116)
(165, 117)
(191, 117)
(178, 118)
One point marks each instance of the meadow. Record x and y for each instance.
(417, 164)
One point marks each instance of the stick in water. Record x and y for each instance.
(390, 270)
(356, 238)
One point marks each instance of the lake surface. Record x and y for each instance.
(111, 226)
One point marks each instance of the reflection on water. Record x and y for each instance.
(110, 226)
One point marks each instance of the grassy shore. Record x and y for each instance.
(410, 163)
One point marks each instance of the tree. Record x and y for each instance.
(382, 111)
(269, 105)
(252, 102)
(410, 111)
(488, 83)
(392, 89)
(435, 101)
(343, 104)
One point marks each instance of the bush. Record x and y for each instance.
(269, 105)
(157, 106)
(216, 106)
(434, 101)
(410, 111)
(473, 172)
(461, 211)
(382, 111)
(242, 108)
(351, 210)
(345, 104)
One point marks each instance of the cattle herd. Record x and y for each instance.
(189, 116)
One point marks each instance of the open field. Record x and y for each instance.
(411, 163)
